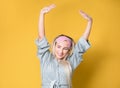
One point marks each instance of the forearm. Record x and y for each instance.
(86, 34)
(41, 26)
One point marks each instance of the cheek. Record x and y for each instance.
(65, 51)
(56, 49)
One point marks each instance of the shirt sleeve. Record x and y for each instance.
(43, 49)
(80, 48)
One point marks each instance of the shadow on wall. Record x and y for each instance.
(86, 70)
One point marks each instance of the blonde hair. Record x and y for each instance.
(68, 71)
(64, 62)
(71, 49)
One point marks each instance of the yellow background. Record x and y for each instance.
(19, 65)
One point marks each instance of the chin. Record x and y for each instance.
(60, 58)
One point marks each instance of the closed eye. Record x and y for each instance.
(66, 48)
(58, 46)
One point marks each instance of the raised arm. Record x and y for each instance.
(89, 25)
(41, 27)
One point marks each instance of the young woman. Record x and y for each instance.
(57, 66)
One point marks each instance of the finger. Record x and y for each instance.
(52, 6)
(81, 12)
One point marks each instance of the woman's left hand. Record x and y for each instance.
(86, 16)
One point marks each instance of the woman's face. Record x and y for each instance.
(61, 49)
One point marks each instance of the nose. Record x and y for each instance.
(61, 51)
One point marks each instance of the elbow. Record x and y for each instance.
(85, 37)
(40, 37)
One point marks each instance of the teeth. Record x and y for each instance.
(60, 55)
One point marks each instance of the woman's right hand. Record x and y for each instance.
(47, 8)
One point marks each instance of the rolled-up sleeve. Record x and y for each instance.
(80, 48)
(42, 49)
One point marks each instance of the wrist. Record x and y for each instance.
(42, 13)
(90, 20)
